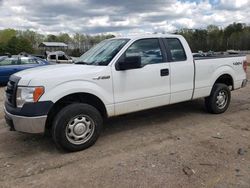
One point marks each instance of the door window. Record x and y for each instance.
(148, 49)
(25, 61)
(52, 57)
(62, 57)
(176, 49)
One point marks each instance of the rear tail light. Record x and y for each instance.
(245, 66)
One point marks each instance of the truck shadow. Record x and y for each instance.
(160, 115)
(163, 116)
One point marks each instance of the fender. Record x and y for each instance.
(80, 86)
(225, 69)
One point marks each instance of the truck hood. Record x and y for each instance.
(58, 73)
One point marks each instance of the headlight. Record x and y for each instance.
(28, 94)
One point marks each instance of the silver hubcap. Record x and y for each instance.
(80, 129)
(221, 101)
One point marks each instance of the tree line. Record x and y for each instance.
(235, 36)
(16, 41)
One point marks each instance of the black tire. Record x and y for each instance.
(212, 102)
(69, 114)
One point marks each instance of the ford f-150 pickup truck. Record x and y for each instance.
(117, 76)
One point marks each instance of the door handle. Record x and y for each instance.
(164, 72)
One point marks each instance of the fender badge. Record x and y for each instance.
(101, 78)
(237, 63)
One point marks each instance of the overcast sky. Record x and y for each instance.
(120, 16)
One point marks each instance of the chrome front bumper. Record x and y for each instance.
(26, 124)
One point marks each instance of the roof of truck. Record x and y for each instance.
(148, 36)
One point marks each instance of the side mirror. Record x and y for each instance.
(133, 62)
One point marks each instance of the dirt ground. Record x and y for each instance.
(175, 146)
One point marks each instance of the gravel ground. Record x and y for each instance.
(175, 146)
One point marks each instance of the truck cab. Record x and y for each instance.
(118, 76)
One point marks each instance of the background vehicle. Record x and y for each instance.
(117, 76)
(11, 65)
(59, 57)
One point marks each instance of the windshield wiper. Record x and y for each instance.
(82, 63)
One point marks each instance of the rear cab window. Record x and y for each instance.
(175, 49)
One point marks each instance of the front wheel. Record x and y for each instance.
(219, 99)
(76, 127)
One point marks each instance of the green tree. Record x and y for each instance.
(18, 44)
(6, 35)
(64, 37)
(51, 38)
(33, 37)
(214, 38)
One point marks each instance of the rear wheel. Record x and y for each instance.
(77, 127)
(219, 99)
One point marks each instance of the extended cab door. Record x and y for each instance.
(144, 87)
(181, 69)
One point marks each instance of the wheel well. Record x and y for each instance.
(73, 98)
(225, 79)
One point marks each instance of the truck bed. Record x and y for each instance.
(209, 69)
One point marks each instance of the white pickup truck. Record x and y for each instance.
(117, 76)
(58, 57)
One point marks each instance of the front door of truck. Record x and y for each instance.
(144, 87)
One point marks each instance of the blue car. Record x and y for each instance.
(11, 65)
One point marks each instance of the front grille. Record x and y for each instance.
(11, 90)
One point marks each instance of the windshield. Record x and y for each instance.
(102, 53)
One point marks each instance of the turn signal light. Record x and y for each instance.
(38, 93)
